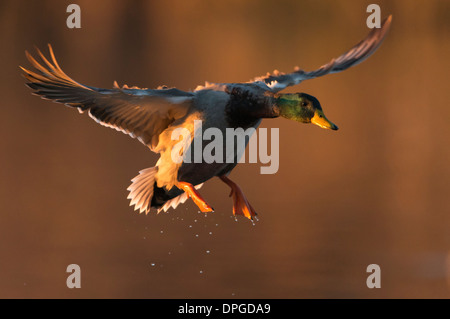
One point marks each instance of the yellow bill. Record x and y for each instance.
(319, 119)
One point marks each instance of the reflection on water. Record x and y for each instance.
(375, 192)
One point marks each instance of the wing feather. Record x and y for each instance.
(279, 81)
(141, 113)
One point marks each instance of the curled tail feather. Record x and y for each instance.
(142, 189)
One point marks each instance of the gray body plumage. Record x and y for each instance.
(213, 107)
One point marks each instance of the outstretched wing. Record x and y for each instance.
(141, 113)
(279, 81)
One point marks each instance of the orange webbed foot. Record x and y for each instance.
(241, 206)
(196, 197)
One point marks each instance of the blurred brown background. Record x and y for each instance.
(376, 191)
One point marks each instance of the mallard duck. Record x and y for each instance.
(151, 116)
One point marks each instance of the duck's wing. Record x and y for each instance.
(141, 113)
(279, 81)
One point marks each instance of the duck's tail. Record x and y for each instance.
(144, 193)
(141, 189)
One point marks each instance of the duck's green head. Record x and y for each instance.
(304, 108)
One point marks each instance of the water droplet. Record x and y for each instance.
(207, 251)
(201, 271)
(196, 235)
(210, 232)
(152, 264)
(162, 231)
(195, 220)
(217, 225)
(233, 294)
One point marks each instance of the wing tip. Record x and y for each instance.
(386, 24)
(388, 20)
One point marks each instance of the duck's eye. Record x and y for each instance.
(304, 104)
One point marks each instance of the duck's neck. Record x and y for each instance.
(247, 107)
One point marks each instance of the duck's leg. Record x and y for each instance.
(196, 197)
(241, 205)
